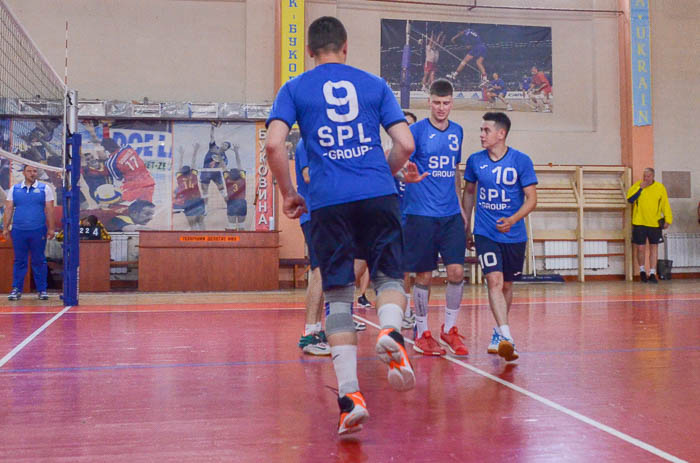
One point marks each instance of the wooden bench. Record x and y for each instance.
(299, 266)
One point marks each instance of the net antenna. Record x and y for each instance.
(38, 119)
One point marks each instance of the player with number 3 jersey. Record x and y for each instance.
(353, 201)
(434, 221)
(501, 184)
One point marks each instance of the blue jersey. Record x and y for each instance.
(301, 161)
(339, 109)
(498, 83)
(499, 192)
(437, 152)
(525, 83)
(472, 38)
(209, 158)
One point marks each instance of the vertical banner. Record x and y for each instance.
(641, 63)
(292, 37)
(264, 212)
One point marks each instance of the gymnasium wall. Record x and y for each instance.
(675, 54)
(224, 51)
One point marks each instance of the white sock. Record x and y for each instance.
(390, 316)
(652, 271)
(505, 332)
(345, 365)
(421, 325)
(310, 329)
(641, 268)
(498, 330)
(407, 312)
(453, 299)
(318, 327)
(450, 319)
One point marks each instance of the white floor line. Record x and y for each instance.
(31, 337)
(620, 435)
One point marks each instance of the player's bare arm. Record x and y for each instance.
(403, 146)
(7, 218)
(51, 228)
(468, 200)
(293, 205)
(504, 223)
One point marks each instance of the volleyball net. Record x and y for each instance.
(36, 111)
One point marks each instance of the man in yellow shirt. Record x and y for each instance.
(650, 215)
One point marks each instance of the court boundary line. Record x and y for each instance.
(437, 303)
(31, 337)
(560, 408)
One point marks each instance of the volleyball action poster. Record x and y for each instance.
(126, 176)
(491, 66)
(213, 176)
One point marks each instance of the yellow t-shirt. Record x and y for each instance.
(651, 205)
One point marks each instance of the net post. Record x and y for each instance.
(71, 204)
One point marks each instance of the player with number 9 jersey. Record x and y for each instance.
(499, 192)
(339, 109)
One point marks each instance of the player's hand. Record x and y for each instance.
(411, 174)
(666, 225)
(293, 205)
(470, 240)
(50, 233)
(504, 223)
(644, 184)
(5, 233)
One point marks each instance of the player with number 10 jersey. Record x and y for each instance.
(500, 192)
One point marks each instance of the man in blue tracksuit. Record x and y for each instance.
(29, 207)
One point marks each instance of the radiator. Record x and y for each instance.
(683, 249)
(119, 251)
(559, 248)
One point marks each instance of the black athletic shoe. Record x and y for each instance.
(362, 301)
(643, 277)
(652, 279)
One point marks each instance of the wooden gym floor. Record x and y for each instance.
(609, 371)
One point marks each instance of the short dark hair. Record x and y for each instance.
(327, 34)
(137, 206)
(91, 219)
(441, 87)
(110, 145)
(411, 115)
(235, 173)
(501, 120)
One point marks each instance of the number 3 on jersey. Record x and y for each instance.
(326, 134)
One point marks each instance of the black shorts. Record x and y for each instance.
(306, 229)
(194, 207)
(207, 177)
(425, 237)
(641, 233)
(236, 207)
(369, 229)
(507, 258)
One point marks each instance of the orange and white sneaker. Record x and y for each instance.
(427, 345)
(391, 350)
(453, 341)
(506, 349)
(353, 411)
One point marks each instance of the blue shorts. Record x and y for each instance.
(477, 51)
(507, 258)
(194, 207)
(237, 207)
(306, 229)
(368, 229)
(207, 177)
(425, 237)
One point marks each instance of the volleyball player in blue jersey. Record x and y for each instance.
(501, 184)
(434, 220)
(476, 49)
(353, 202)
